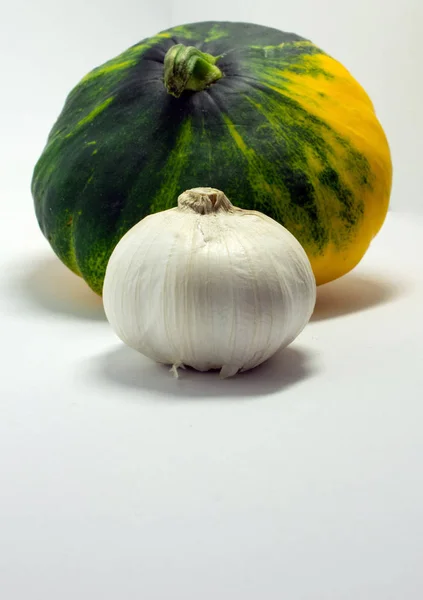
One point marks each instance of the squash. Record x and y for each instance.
(264, 115)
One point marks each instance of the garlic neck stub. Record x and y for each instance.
(208, 285)
(205, 201)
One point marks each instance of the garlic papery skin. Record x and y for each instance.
(208, 285)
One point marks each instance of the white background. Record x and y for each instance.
(299, 480)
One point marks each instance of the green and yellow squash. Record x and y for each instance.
(265, 116)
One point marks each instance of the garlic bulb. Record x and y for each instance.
(208, 285)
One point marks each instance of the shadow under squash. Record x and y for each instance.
(126, 368)
(354, 293)
(47, 285)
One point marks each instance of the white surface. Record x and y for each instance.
(301, 479)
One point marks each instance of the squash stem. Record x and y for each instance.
(187, 68)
